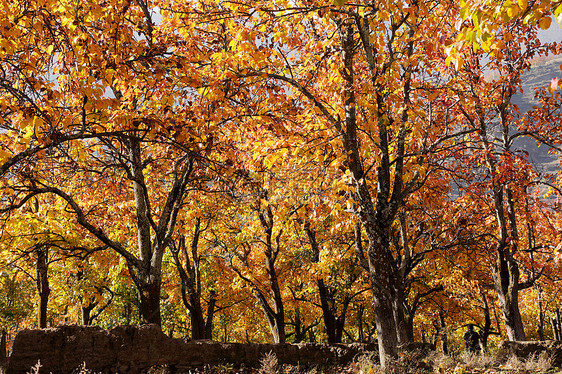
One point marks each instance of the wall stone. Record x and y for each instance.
(134, 349)
(528, 349)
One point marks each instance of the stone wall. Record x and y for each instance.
(132, 349)
(528, 349)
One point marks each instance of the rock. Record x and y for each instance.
(528, 349)
(134, 349)
(417, 347)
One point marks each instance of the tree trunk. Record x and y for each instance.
(300, 330)
(386, 329)
(507, 282)
(86, 312)
(275, 314)
(146, 273)
(190, 277)
(42, 280)
(377, 216)
(333, 324)
(360, 310)
(555, 329)
(149, 302)
(197, 323)
(540, 329)
(403, 332)
(276, 321)
(558, 325)
(443, 333)
(383, 286)
(210, 315)
(330, 322)
(3, 354)
(486, 329)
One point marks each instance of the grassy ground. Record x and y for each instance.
(436, 363)
(412, 364)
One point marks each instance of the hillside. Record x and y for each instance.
(540, 75)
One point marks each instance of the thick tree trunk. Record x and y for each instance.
(42, 281)
(507, 288)
(513, 322)
(404, 331)
(386, 329)
(197, 321)
(276, 315)
(327, 314)
(377, 216)
(275, 320)
(149, 302)
(86, 312)
(146, 273)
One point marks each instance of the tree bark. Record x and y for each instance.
(555, 329)
(404, 330)
(148, 293)
(486, 329)
(361, 334)
(443, 333)
(3, 346)
(210, 314)
(86, 311)
(42, 281)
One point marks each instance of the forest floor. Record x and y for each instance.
(437, 364)
(352, 369)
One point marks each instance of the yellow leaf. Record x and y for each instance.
(4, 156)
(37, 122)
(30, 130)
(544, 22)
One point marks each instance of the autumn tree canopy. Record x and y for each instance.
(334, 170)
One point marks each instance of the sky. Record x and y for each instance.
(553, 34)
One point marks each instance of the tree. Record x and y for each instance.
(95, 138)
(191, 285)
(336, 289)
(267, 292)
(487, 108)
(356, 74)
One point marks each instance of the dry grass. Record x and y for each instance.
(269, 364)
(366, 364)
(478, 360)
(536, 363)
(408, 363)
(466, 363)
